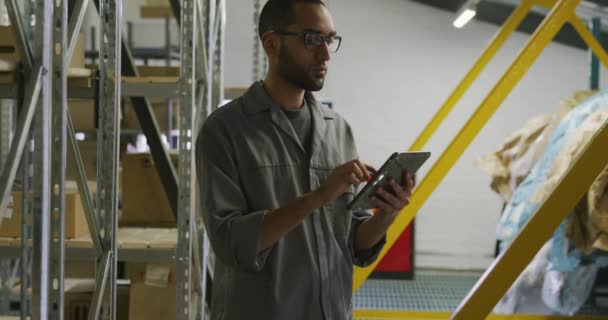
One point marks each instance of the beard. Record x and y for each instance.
(297, 74)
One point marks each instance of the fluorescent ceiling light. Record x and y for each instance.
(464, 17)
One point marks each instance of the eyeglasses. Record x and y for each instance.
(313, 40)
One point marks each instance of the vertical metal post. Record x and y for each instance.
(6, 106)
(169, 101)
(205, 14)
(3, 14)
(218, 61)
(27, 173)
(594, 63)
(108, 140)
(42, 49)
(186, 165)
(6, 128)
(257, 46)
(26, 228)
(167, 26)
(58, 161)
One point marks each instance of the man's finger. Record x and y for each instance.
(409, 181)
(399, 191)
(352, 179)
(363, 170)
(382, 205)
(389, 198)
(371, 169)
(356, 171)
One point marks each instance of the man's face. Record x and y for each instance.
(306, 67)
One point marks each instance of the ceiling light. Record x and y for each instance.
(468, 11)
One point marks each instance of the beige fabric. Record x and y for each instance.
(571, 150)
(597, 199)
(590, 217)
(520, 151)
(516, 144)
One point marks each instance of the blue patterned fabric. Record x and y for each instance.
(519, 209)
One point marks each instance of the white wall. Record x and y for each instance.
(398, 63)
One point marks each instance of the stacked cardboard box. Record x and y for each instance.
(79, 294)
(153, 292)
(160, 106)
(75, 221)
(145, 203)
(10, 50)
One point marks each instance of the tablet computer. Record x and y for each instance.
(394, 167)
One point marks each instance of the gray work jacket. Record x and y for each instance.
(249, 162)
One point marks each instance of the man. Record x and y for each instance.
(276, 171)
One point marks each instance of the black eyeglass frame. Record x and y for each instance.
(309, 43)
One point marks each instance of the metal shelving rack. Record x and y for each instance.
(44, 134)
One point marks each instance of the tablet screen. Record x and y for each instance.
(394, 167)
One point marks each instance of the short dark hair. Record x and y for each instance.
(279, 14)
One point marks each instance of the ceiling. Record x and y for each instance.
(496, 12)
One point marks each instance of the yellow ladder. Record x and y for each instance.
(481, 300)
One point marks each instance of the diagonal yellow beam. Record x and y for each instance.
(514, 20)
(589, 39)
(582, 31)
(497, 42)
(507, 267)
(537, 43)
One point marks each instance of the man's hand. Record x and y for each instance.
(394, 201)
(350, 173)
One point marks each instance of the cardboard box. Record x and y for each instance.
(158, 71)
(75, 221)
(88, 153)
(160, 109)
(79, 295)
(145, 203)
(11, 51)
(157, 3)
(153, 293)
(80, 269)
(83, 114)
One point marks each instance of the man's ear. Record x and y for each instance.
(271, 44)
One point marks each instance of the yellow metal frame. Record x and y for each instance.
(495, 44)
(562, 12)
(509, 265)
(506, 268)
(582, 30)
(408, 315)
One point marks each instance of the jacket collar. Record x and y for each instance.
(257, 100)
